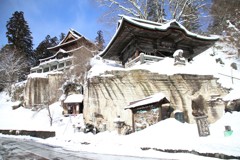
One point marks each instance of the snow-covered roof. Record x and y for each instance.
(59, 51)
(130, 28)
(164, 26)
(148, 100)
(74, 98)
(47, 60)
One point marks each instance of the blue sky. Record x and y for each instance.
(54, 17)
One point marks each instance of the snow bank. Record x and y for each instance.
(99, 66)
(37, 75)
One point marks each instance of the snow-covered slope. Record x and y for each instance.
(167, 134)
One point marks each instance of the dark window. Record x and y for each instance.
(46, 69)
(53, 67)
(68, 63)
(61, 65)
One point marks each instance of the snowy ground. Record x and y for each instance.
(167, 134)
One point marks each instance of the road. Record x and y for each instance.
(18, 149)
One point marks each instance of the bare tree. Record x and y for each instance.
(222, 12)
(46, 104)
(187, 12)
(136, 8)
(10, 69)
(181, 10)
(81, 65)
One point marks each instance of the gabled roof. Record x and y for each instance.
(148, 100)
(71, 36)
(130, 28)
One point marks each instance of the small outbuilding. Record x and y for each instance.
(74, 103)
(148, 111)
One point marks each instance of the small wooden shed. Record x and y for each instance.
(73, 104)
(147, 111)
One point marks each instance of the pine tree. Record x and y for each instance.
(61, 37)
(99, 40)
(42, 49)
(19, 37)
(19, 34)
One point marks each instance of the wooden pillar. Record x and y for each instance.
(160, 113)
(136, 53)
(133, 123)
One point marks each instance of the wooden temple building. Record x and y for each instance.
(70, 56)
(135, 36)
(74, 44)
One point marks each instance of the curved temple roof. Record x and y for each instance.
(133, 28)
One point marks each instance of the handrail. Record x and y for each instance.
(143, 58)
(229, 76)
(132, 62)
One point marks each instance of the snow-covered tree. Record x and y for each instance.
(186, 11)
(222, 12)
(190, 17)
(11, 67)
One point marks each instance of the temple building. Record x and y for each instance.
(157, 40)
(70, 57)
(72, 45)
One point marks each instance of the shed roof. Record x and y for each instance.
(74, 98)
(130, 28)
(148, 100)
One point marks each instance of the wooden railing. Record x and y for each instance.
(143, 59)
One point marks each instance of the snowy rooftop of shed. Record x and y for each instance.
(148, 100)
(74, 98)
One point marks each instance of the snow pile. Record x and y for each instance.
(38, 75)
(23, 118)
(99, 66)
(171, 134)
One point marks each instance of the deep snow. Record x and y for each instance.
(167, 134)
